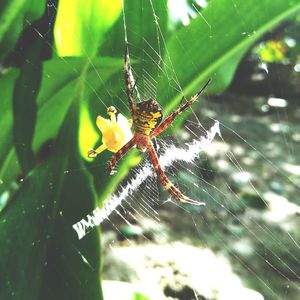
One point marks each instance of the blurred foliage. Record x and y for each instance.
(43, 101)
(284, 46)
(14, 14)
(272, 51)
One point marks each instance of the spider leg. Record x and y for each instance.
(135, 84)
(130, 83)
(168, 185)
(118, 155)
(155, 145)
(167, 122)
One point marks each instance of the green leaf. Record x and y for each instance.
(8, 162)
(213, 44)
(14, 14)
(6, 87)
(81, 25)
(42, 257)
(24, 104)
(58, 89)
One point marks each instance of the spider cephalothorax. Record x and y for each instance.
(147, 120)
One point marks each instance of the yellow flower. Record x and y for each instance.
(115, 131)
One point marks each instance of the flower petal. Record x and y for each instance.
(103, 124)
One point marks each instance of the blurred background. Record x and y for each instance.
(61, 65)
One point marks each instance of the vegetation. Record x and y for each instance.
(58, 62)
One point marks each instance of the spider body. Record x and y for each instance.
(141, 141)
(148, 123)
(147, 116)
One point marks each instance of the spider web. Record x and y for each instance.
(260, 238)
(170, 155)
(244, 243)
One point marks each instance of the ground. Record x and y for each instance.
(244, 243)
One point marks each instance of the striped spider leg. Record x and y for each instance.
(130, 85)
(165, 181)
(118, 155)
(147, 116)
(167, 122)
(129, 81)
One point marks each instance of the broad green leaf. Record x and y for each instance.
(60, 77)
(41, 256)
(7, 82)
(80, 25)
(24, 104)
(8, 162)
(58, 89)
(213, 44)
(14, 14)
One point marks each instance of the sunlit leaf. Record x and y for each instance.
(80, 25)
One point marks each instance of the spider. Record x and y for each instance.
(147, 119)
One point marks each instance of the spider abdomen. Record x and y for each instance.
(147, 116)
